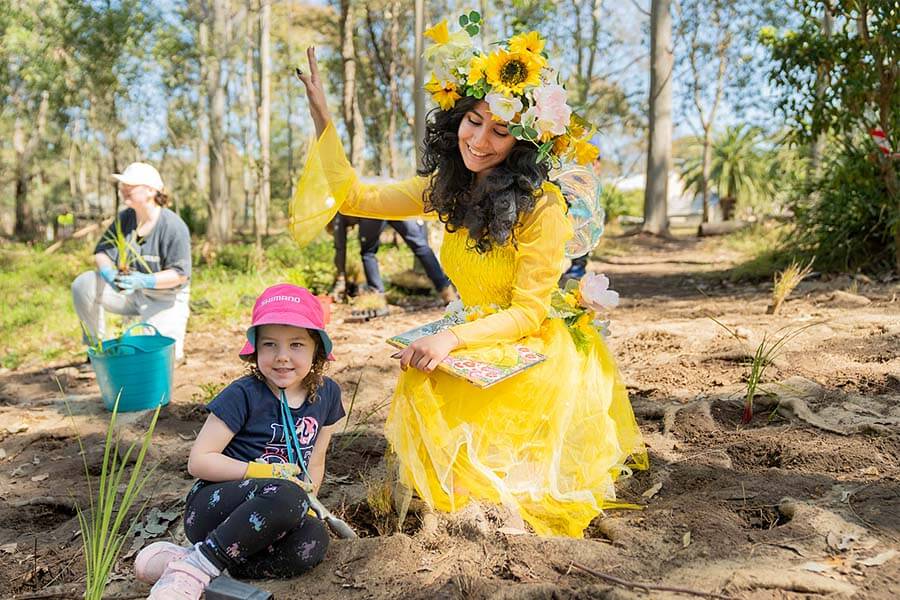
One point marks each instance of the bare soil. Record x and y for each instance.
(802, 502)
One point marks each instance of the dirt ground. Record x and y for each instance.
(803, 502)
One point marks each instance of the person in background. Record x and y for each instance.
(414, 235)
(155, 287)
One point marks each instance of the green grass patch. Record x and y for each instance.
(38, 323)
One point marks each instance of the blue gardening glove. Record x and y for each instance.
(136, 281)
(109, 274)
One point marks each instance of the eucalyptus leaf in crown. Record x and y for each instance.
(516, 82)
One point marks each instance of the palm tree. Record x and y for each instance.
(740, 170)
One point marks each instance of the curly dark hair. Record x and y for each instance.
(491, 209)
(313, 380)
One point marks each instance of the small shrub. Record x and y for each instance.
(845, 218)
(617, 203)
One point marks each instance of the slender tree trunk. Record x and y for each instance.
(659, 152)
(707, 168)
(818, 146)
(202, 144)
(350, 103)
(218, 227)
(394, 83)
(74, 151)
(25, 146)
(419, 80)
(290, 136)
(261, 214)
(250, 110)
(82, 185)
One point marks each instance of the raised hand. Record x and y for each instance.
(315, 92)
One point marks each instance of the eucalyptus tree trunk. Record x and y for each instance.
(218, 228)
(659, 152)
(394, 88)
(350, 103)
(24, 146)
(419, 80)
(248, 174)
(261, 214)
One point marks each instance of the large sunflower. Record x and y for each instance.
(509, 73)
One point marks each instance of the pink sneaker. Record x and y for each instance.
(152, 561)
(180, 581)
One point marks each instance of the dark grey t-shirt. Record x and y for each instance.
(253, 413)
(167, 246)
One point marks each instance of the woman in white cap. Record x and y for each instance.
(156, 288)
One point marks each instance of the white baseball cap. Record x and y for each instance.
(138, 173)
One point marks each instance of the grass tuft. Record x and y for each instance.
(785, 282)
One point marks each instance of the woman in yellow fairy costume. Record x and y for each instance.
(549, 442)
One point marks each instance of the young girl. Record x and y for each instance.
(549, 442)
(266, 432)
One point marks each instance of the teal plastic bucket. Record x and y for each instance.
(140, 367)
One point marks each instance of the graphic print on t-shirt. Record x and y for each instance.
(276, 448)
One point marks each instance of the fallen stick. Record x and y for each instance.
(71, 590)
(646, 586)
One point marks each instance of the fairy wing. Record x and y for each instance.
(581, 188)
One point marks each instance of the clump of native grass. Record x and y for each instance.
(105, 524)
(388, 498)
(785, 282)
(127, 252)
(762, 357)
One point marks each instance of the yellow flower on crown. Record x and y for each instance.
(443, 92)
(527, 42)
(477, 66)
(585, 152)
(515, 80)
(439, 34)
(509, 73)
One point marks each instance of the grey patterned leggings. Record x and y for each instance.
(255, 528)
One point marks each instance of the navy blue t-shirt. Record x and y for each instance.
(250, 409)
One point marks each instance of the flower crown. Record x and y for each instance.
(516, 82)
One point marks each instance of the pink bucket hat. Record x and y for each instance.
(286, 304)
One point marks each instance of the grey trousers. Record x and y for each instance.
(92, 296)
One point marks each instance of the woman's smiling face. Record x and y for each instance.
(483, 142)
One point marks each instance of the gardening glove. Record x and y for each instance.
(109, 274)
(257, 470)
(137, 281)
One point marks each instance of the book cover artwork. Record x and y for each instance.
(479, 373)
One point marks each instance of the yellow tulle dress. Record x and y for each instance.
(548, 442)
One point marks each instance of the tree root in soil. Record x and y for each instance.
(71, 590)
(791, 581)
(667, 414)
(634, 585)
(791, 406)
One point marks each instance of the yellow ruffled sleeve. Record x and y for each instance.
(540, 260)
(329, 184)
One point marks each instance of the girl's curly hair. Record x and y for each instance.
(491, 209)
(313, 380)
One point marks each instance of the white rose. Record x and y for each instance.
(503, 107)
(595, 292)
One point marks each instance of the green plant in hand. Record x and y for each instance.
(764, 355)
(127, 253)
(105, 525)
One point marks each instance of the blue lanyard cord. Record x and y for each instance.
(295, 454)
